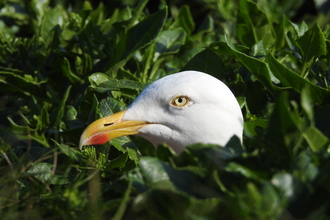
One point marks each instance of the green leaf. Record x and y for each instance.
(315, 139)
(97, 15)
(71, 113)
(124, 144)
(137, 11)
(208, 62)
(73, 154)
(97, 78)
(118, 162)
(27, 133)
(52, 40)
(306, 104)
(257, 67)
(256, 97)
(300, 29)
(121, 88)
(245, 171)
(44, 172)
(101, 83)
(58, 114)
(279, 32)
(298, 83)
(147, 61)
(305, 163)
(293, 45)
(209, 156)
(185, 20)
(154, 173)
(158, 174)
(251, 126)
(312, 45)
(122, 73)
(170, 41)
(139, 36)
(50, 18)
(207, 25)
(258, 49)
(121, 84)
(250, 21)
(12, 81)
(284, 126)
(255, 200)
(66, 69)
(109, 106)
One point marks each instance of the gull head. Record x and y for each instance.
(180, 109)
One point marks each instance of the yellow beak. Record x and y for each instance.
(108, 128)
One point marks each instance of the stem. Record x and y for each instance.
(304, 71)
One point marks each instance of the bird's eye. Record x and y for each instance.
(180, 101)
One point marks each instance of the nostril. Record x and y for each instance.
(108, 124)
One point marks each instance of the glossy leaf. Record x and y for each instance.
(312, 46)
(257, 67)
(60, 110)
(207, 61)
(71, 153)
(250, 21)
(66, 68)
(284, 126)
(139, 36)
(170, 41)
(291, 79)
(184, 20)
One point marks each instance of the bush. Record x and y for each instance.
(64, 64)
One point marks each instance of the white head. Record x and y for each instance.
(180, 109)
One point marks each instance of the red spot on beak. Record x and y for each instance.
(99, 139)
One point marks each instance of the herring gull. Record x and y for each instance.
(180, 109)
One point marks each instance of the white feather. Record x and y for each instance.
(212, 116)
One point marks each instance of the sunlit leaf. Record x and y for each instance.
(291, 79)
(184, 20)
(257, 67)
(170, 41)
(312, 46)
(66, 69)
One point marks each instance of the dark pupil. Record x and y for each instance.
(180, 100)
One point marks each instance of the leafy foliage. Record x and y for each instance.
(64, 65)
